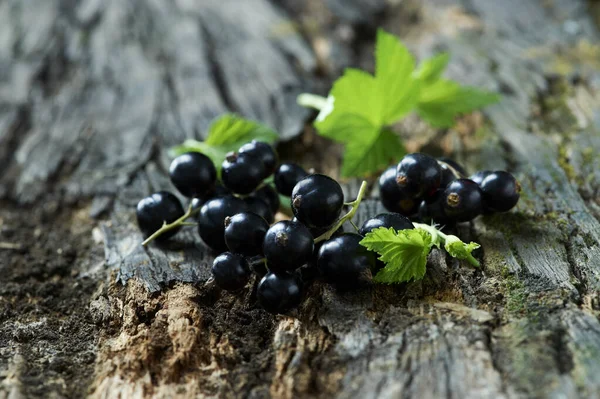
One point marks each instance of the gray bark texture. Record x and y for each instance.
(93, 93)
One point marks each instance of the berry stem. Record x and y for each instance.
(348, 216)
(435, 234)
(170, 226)
(309, 100)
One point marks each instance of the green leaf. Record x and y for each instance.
(360, 106)
(404, 253)
(431, 69)
(460, 250)
(441, 102)
(227, 133)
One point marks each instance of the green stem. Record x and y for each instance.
(435, 233)
(309, 100)
(348, 216)
(170, 226)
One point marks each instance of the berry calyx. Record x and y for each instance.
(245, 232)
(193, 174)
(231, 271)
(279, 293)
(287, 246)
(156, 210)
(317, 200)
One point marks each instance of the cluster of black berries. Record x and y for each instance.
(438, 190)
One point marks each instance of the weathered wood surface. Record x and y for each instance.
(91, 94)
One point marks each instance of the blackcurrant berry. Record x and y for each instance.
(260, 207)
(211, 219)
(393, 197)
(262, 151)
(449, 175)
(242, 173)
(463, 200)
(193, 174)
(387, 220)
(479, 176)
(268, 194)
(231, 271)
(287, 176)
(287, 246)
(155, 210)
(418, 174)
(501, 191)
(245, 233)
(432, 209)
(317, 200)
(345, 263)
(279, 293)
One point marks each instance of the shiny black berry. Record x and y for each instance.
(279, 293)
(387, 220)
(231, 271)
(193, 174)
(393, 197)
(317, 200)
(245, 232)
(345, 263)
(418, 175)
(287, 246)
(155, 210)
(242, 173)
(479, 176)
(268, 194)
(262, 151)
(463, 200)
(211, 219)
(287, 176)
(501, 191)
(457, 167)
(260, 207)
(450, 171)
(431, 210)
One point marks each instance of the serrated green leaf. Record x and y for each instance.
(227, 133)
(431, 69)
(461, 250)
(444, 100)
(362, 157)
(404, 253)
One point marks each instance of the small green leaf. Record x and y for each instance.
(441, 102)
(227, 133)
(404, 253)
(431, 69)
(461, 250)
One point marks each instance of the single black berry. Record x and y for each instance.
(245, 233)
(432, 210)
(387, 220)
(418, 174)
(501, 191)
(317, 200)
(231, 271)
(262, 151)
(345, 263)
(393, 197)
(279, 293)
(260, 207)
(287, 176)
(287, 246)
(268, 194)
(155, 210)
(463, 200)
(479, 176)
(193, 174)
(211, 219)
(242, 173)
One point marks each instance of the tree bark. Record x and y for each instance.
(93, 93)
